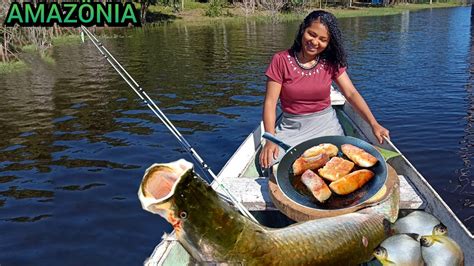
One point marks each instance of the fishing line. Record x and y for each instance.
(157, 111)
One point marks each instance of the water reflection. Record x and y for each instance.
(81, 188)
(6, 179)
(465, 182)
(24, 219)
(13, 192)
(75, 139)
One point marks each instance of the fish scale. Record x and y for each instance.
(327, 241)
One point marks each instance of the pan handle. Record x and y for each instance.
(278, 142)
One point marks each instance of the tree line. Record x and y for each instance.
(12, 39)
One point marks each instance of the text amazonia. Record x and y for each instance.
(74, 14)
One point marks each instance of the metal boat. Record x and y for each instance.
(242, 177)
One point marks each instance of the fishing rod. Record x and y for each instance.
(157, 111)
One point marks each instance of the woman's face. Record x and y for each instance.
(315, 39)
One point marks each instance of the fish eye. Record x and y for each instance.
(378, 251)
(440, 229)
(424, 241)
(183, 215)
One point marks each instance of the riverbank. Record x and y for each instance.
(10, 67)
(21, 64)
(197, 13)
(194, 13)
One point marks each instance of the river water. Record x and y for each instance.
(75, 140)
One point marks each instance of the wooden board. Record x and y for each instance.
(255, 196)
(299, 212)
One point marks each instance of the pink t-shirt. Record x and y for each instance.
(303, 91)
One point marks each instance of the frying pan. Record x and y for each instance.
(292, 187)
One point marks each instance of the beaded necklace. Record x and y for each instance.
(305, 67)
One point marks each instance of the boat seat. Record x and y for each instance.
(254, 194)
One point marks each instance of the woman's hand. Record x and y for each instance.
(355, 99)
(380, 132)
(268, 154)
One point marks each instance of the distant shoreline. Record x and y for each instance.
(197, 16)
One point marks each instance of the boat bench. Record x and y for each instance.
(255, 196)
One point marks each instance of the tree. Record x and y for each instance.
(144, 5)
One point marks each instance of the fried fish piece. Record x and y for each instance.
(316, 185)
(351, 182)
(304, 163)
(336, 168)
(358, 155)
(327, 148)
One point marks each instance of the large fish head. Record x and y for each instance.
(156, 192)
(192, 207)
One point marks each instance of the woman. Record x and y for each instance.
(301, 78)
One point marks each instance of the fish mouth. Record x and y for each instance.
(159, 185)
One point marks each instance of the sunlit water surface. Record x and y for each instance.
(75, 140)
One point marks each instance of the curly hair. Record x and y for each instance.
(334, 53)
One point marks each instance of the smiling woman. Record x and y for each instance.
(76, 124)
(301, 78)
(315, 39)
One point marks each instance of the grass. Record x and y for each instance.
(10, 67)
(30, 48)
(190, 5)
(194, 12)
(19, 65)
(384, 11)
(66, 39)
(46, 55)
(48, 59)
